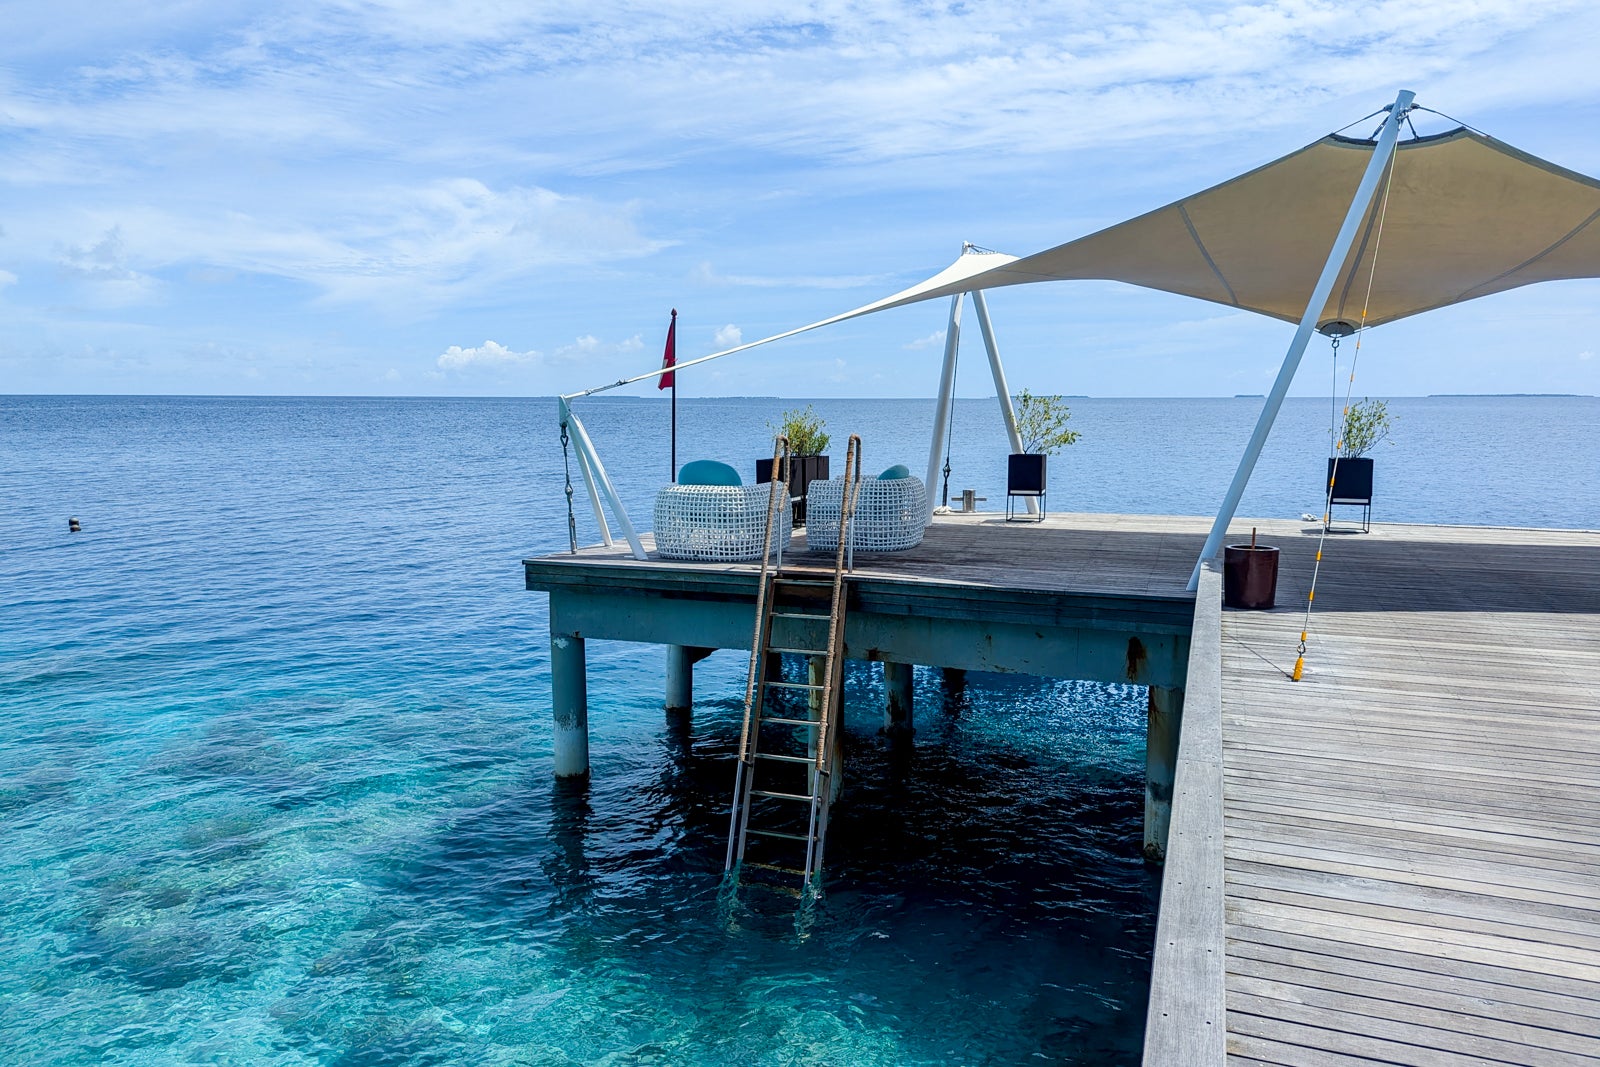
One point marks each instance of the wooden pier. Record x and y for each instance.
(1395, 860)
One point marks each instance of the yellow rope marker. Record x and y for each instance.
(1337, 434)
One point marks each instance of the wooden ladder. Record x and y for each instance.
(788, 759)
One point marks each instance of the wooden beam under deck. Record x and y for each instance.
(1066, 598)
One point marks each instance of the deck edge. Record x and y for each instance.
(1187, 1018)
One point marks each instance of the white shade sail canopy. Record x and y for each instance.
(1466, 216)
(1460, 215)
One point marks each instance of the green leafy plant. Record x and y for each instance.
(803, 428)
(1042, 423)
(1366, 424)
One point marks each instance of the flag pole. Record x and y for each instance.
(669, 359)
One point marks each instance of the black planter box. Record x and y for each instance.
(807, 469)
(1025, 477)
(1352, 482)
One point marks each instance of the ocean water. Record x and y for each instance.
(275, 751)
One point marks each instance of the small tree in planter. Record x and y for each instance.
(807, 441)
(1042, 425)
(1366, 425)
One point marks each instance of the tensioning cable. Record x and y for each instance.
(1343, 421)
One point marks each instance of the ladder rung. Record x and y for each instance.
(778, 833)
(773, 867)
(785, 759)
(813, 616)
(819, 582)
(792, 685)
(799, 651)
(790, 722)
(780, 796)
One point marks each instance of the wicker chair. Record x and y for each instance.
(717, 523)
(890, 515)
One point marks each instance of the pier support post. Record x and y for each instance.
(680, 675)
(569, 685)
(898, 686)
(1160, 768)
(955, 688)
(680, 679)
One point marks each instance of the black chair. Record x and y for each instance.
(1352, 484)
(1025, 478)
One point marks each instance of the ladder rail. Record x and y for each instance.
(826, 696)
(744, 776)
(847, 510)
(780, 451)
(832, 670)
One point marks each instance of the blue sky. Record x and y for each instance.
(465, 197)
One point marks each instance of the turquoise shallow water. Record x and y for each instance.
(274, 750)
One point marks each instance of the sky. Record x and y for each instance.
(471, 197)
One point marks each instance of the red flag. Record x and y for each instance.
(670, 357)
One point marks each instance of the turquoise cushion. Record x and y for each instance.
(708, 472)
(895, 473)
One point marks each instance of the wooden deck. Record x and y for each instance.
(1120, 555)
(1395, 860)
(1411, 844)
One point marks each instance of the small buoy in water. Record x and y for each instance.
(73, 526)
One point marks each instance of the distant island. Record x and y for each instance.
(1249, 396)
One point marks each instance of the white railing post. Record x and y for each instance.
(588, 476)
(1381, 154)
(580, 438)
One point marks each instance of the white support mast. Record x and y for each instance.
(941, 411)
(1381, 154)
(1001, 389)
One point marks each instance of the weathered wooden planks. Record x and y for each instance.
(1412, 854)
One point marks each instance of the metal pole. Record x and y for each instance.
(586, 449)
(947, 385)
(567, 419)
(1001, 389)
(1381, 154)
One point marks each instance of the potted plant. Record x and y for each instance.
(1366, 425)
(1042, 425)
(807, 443)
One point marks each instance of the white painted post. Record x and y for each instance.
(941, 411)
(588, 475)
(581, 439)
(1381, 154)
(1001, 389)
(680, 678)
(569, 686)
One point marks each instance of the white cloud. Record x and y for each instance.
(7, 278)
(934, 338)
(728, 336)
(488, 354)
(407, 249)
